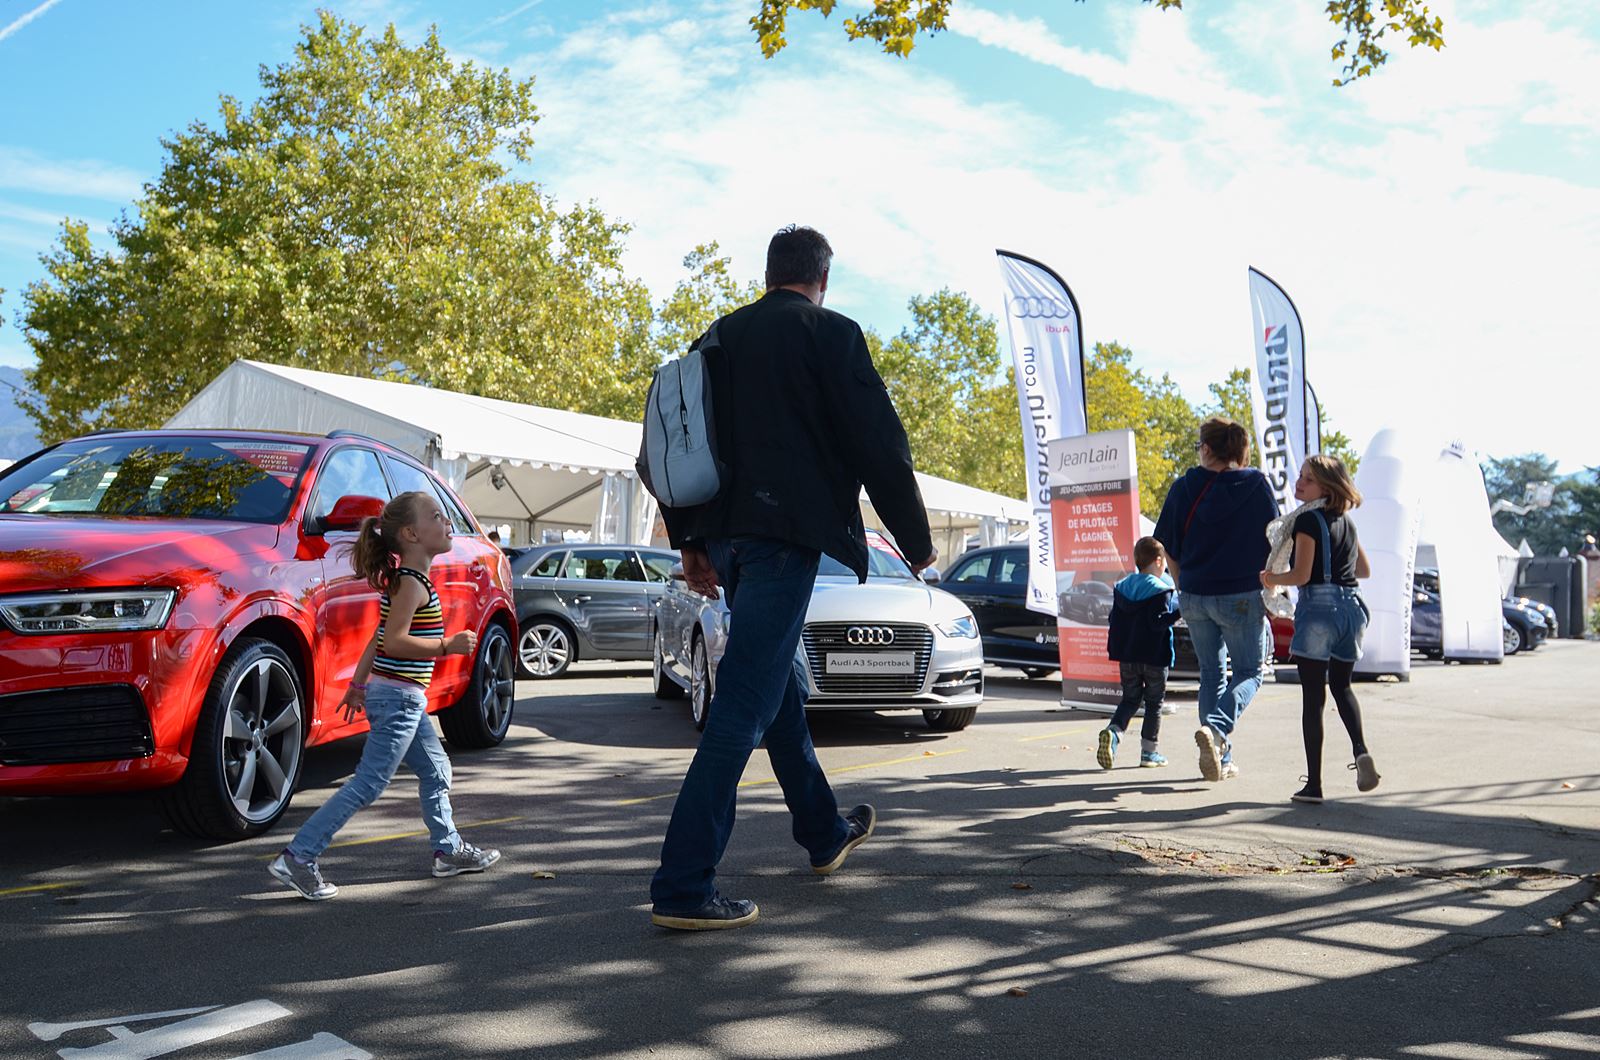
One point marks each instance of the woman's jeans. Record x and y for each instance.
(401, 732)
(759, 695)
(1229, 628)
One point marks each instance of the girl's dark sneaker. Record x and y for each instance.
(1307, 794)
(720, 912)
(1366, 772)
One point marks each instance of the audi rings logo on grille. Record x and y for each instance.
(1040, 309)
(869, 636)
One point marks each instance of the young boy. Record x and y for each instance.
(1140, 639)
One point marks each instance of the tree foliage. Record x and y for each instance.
(958, 405)
(895, 25)
(1574, 511)
(710, 291)
(1120, 396)
(360, 217)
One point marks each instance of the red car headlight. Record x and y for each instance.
(90, 611)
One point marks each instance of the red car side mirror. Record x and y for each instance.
(349, 513)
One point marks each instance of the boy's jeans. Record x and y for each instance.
(1226, 628)
(401, 731)
(1146, 684)
(767, 584)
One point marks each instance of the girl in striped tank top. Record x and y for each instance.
(393, 553)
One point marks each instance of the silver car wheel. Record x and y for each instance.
(700, 684)
(496, 683)
(261, 740)
(545, 650)
(1510, 639)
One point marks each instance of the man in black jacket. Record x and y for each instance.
(803, 421)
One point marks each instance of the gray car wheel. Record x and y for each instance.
(1511, 639)
(545, 648)
(701, 683)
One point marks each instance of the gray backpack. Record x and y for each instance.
(678, 455)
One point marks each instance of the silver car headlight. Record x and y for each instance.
(963, 628)
(96, 611)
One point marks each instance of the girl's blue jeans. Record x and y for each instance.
(401, 732)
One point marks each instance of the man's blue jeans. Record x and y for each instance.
(1226, 628)
(401, 732)
(767, 584)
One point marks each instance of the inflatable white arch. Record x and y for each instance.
(1399, 480)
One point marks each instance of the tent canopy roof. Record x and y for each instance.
(426, 422)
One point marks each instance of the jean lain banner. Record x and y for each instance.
(1046, 334)
(1094, 516)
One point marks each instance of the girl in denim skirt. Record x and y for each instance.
(1330, 617)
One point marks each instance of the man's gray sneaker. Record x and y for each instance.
(304, 877)
(467, 858)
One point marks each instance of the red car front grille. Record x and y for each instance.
(87, 723)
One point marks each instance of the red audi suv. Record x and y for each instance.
(178, 611)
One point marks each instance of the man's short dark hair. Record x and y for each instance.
(797, 255)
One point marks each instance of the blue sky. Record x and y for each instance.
(1438, 226)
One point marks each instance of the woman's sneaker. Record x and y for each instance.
(1106, 755)
(1152, 759)
(1210, 746)
(1366, 772)
(304, 876)
(467, 858)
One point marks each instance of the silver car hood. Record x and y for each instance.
(882, 600)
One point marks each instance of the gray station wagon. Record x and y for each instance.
(586, 602)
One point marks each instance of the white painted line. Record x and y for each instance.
(323, 1046)
(142, 1045)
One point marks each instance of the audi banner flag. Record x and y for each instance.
(1094, 490)
(1045, 330)
(1278, 397)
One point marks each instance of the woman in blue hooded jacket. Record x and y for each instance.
(1213, 526)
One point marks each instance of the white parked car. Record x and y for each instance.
(892, 643)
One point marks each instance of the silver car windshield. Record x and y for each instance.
(880, 564)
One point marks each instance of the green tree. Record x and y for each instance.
(1231, 399)
(1120, 396)
(895, 25)
(710, 291)
(1547, 530)
(958, 406)
(360, 217)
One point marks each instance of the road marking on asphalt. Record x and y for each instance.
(205, 1024)
(830, 772)
(413, 835)
(1054, 735)
(36, 887)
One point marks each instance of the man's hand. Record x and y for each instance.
(353, 703)
(918, 568)
(698, 573)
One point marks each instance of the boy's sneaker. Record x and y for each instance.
(304, 876)
(718, 913)
(1366, 772)
(860, 821)
(1228, 772)
(1152, 759)
(467, 858)
(1106, 755)
(1210, 746)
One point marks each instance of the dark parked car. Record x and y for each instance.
(586, 602)
(1521, 629)
(993, 582)
(1086, 602)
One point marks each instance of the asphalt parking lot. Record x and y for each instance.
(1017, 900)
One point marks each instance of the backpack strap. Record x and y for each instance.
(1196, 505)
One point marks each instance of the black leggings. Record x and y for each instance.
(1315, 679)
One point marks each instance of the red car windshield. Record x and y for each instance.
(235, 479)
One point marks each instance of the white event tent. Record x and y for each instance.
(535, 468)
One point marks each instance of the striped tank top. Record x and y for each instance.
(426, 623)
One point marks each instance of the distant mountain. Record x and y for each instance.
(17, 437)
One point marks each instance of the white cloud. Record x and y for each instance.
(26, 18)
(25, 170)
(1435, 290)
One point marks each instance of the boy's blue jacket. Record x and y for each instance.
(1142, 615)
